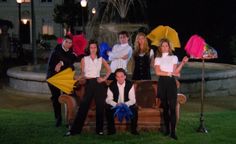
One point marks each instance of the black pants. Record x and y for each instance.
(54, 98)
(167, 91)
(110, 118)
(96, 90)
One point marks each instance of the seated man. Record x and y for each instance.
(121, 91)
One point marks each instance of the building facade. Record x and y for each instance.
(43, 9)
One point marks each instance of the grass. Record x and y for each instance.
(30, 127)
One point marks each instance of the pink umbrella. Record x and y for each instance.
(197, 48)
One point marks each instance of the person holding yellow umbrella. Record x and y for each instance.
(94, 88)
(62, 57)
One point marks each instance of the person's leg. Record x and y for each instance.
(161, 93)
(172, 99)
(110, 120)
(55, 103)
(134, 119)
(100, 95)
(81, 115)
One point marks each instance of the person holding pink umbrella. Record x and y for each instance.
(166, 67)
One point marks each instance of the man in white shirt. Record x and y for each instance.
(120, 54)
(121, 91)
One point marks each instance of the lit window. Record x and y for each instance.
(48, 29)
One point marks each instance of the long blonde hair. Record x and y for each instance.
(159, 53)
(137, 49)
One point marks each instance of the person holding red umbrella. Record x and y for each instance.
(62, 57)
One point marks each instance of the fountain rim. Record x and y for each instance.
(18, 73)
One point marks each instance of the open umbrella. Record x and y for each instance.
(197, 48)
(104, 48)
(122, 111)
(161, 32)
(63, 80)
(79, 43)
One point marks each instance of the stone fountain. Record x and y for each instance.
(220, 78)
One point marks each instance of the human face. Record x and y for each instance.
(67, 43)
(141, 40)
(93, 49)
(120, 77)
(123, 39)
(165, 48)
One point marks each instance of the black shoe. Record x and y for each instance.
(100, 133)
(68, 134)
(173, 135)
(134, 132)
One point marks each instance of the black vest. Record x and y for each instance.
(114, 88)
(142, 68)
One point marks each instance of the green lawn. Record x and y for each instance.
(30, 127)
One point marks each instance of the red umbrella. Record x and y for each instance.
(79, 44)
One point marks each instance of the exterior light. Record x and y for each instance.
(83, 3)
(19, 1)
(93, 10)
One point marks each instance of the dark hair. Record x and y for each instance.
(68, 37)
(123, 33)
(92, 41)
(120, 70)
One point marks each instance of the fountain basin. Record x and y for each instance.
(220, 79)
(30, 78)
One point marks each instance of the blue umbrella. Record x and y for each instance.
(104, 48)
(123, 111)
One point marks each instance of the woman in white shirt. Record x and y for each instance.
(166, 69)
(94, 88)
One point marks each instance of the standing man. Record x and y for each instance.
(120, 54)
(62, 57)
(119, 92)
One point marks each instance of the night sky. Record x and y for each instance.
(214, 20)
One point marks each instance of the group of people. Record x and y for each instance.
(121, 90)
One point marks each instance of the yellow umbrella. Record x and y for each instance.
(161, 32)
(63, 80)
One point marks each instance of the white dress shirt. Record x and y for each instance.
(121, 88)
(166, 62)
(115, 56)
(92, 68)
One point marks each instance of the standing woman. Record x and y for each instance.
(143, 58)
(94, 88)
(166, 69)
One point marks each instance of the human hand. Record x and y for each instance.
(185, 60)
(125, 57)
(58, 67)
(176, 74)
(100, 79)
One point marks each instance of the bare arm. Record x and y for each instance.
(108, 71)
(180, 66)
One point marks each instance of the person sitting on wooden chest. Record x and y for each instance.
(121, 91)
